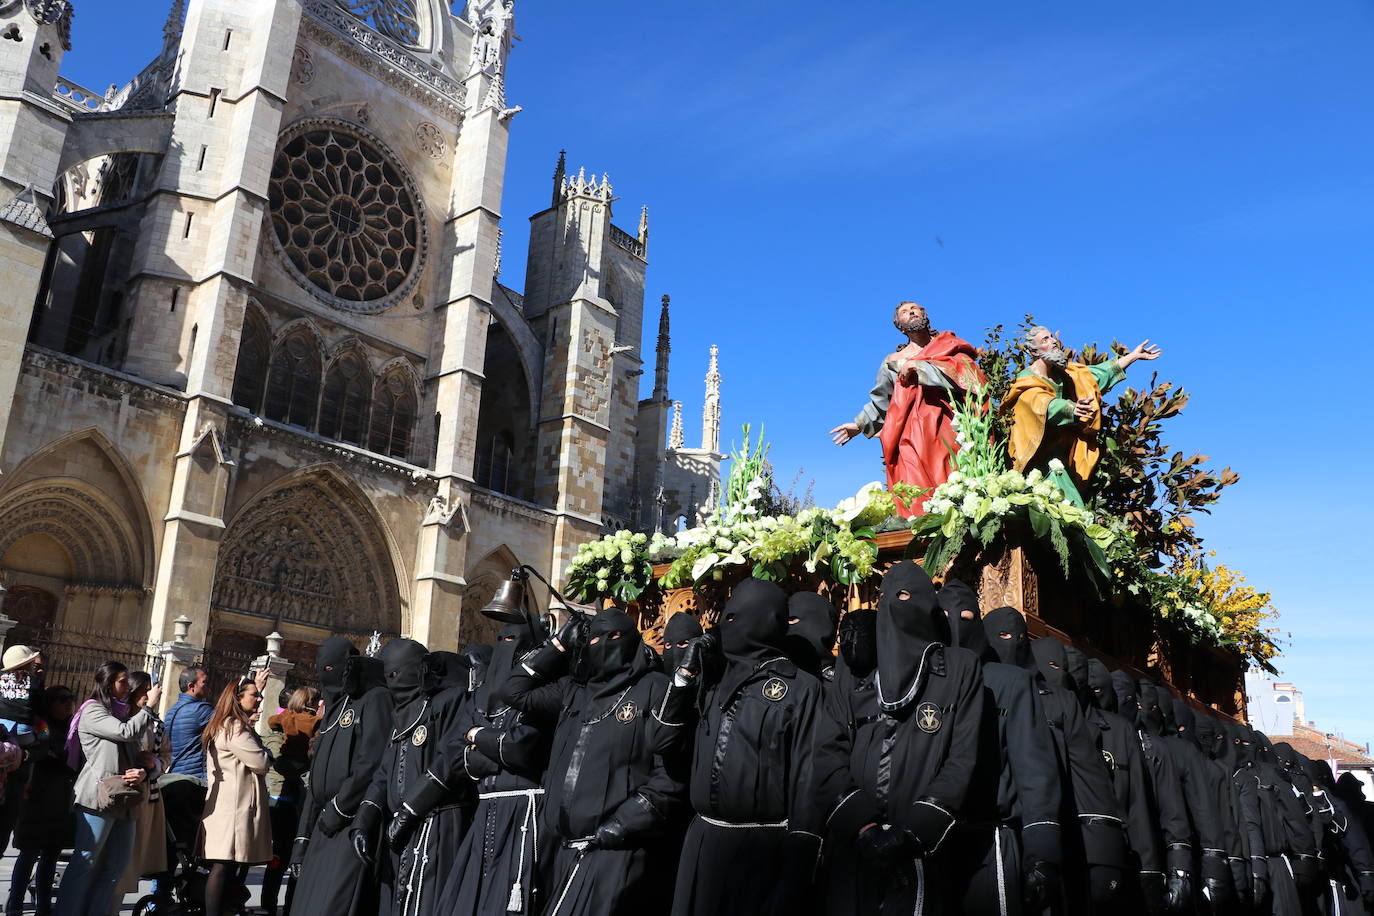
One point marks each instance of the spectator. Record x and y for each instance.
(105, 734)
(150, 839)
(235, 832)
(45, 823)
(186, 722)
(21, 685)
(292, 731)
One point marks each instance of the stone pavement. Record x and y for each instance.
(7, 866)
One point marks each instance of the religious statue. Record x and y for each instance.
(1056, 408)
(911, 407)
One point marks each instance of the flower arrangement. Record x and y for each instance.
(616, 566)
(984, 498)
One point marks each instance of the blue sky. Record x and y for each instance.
(1198, 174)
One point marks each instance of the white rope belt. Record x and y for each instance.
(717, 823)
(511, 793)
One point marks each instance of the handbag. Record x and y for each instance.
(116, 797)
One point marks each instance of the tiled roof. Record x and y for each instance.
(1317, 745)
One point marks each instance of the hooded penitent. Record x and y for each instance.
(1127, 700)
(1206, 734)
(403, 666)
(613, 655)
(446, 670)
(910, 623)
(1078, 674)
(511, 643)
(679, 629)
(331, 660)
(752, 628)
(1052, 662)
(1185, 723)
(1151, 711)
(1100, 683)
(479, 658)
(960, 605)
(811, 623)
(858, 639)
(1005, 629)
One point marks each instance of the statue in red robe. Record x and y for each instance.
(911, 408)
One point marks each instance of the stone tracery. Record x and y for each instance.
(309, 552)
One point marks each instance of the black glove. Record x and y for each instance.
(570, 635)
(1260, 893)
(1217, 888)
(1240, 878)
(298, 849)
(610, 835)
(694, 656)
(1104, 884)
(883, 845)
(1040, 885)
(362, 845)
(1178, 891)
(1366, 880)
(332, 821)
(1152, 892)
(402, 828)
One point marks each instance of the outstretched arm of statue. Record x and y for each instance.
(869, 422)
(1144, 350)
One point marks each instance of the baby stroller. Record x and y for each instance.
(181, 892)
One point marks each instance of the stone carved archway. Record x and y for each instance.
(101, 541)
(312, 551)
(483, 580)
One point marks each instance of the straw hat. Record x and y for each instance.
(19, 656)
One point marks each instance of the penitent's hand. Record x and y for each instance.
(844, 432)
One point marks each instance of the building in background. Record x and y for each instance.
(1276, 709)
(256, 365)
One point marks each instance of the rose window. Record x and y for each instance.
(347, 220)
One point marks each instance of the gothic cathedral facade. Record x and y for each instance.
(257, 371)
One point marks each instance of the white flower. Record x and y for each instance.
(955, 477)
(1000, 506)
(1056, 466)
(1034, 476)
(970, 505)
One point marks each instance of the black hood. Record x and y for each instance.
(811, 623)
(614, 654)
(1350, 790)
(331, 660)
(447, 670)
(1319, 771)
(1228, 748)
(1243, 740)
(1100, 685)
(1185, 722)
(1151, 710)
(1205, 731)
(858, 641)
(1166, 709)
(907, 629)
(1052, 662)
(680, 628)
(957, 599)
(1127, 697)
(1013, 648)
(403, 665)
(754, 622)
(1078, 673)
(479, 659)
(512, 642)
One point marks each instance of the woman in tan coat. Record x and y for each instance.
(235, 831)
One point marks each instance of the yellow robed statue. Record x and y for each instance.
(1056, 408)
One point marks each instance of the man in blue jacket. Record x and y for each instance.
(186, 720)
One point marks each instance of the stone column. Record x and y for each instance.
(177, 656)
(277, 668)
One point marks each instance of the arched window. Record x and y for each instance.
(255, 352)
(347, 392)
(393, 417)
(293, 384)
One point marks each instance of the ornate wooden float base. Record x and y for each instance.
(1122, 635)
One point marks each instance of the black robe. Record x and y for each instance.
(759, 755)
(911, 769)
(618, 756)
(1119, 744)
(413, 879)
(346, 754)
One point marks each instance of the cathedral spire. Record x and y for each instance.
(675, 436)
(559, 174)
(172, 28)
(710, 412)
(644, 228)
(661, 354)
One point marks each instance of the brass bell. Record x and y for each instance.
(508, 604)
